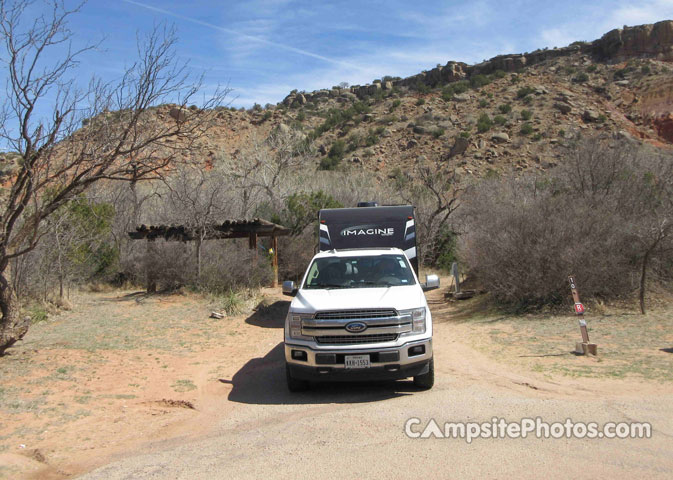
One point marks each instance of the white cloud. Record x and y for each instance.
(643, 12)
(597, 21)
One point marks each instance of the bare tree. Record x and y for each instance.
(124, 137)
(197, 199)
(268, 169)
(435, 191)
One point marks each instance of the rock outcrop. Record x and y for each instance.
(652, 41)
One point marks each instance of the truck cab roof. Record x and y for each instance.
(349, 252)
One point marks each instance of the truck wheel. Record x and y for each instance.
(294, 384)
(426, 380)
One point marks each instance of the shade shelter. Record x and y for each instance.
(251, 229)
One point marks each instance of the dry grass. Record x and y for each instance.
(630, 345)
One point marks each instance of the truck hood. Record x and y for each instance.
(397, 297)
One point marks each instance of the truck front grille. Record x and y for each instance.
(355, 339)
(356, 314)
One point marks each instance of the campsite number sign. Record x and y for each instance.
(579, 311)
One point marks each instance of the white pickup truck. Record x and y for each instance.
(360, 312)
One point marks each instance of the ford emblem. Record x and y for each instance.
(356, 327)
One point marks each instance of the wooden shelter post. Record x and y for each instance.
(150, 270)
(274, 259)
(252, 229)
(253, 246)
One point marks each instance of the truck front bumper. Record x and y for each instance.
(392, 363)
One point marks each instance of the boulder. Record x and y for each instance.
(564, 108)
(500, 137)
(459, 146)
(178, 114)
(590, 115)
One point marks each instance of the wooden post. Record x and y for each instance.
(456, 277)
(150, 270)
(252, 243)
(585, 346)
(274, 259)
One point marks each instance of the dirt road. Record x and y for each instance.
(128, 387)
(357, 431)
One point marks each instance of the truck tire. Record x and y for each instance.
(426, 380)
(294, 384)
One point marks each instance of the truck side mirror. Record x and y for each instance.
(431, 282)
(289, 288)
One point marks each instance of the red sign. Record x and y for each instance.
(579, 308)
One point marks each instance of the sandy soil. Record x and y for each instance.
(201, 398)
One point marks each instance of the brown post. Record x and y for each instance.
(274, 259)
(150, 270)
(252, 243)
(586, 346)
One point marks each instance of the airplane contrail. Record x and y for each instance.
(244, 35)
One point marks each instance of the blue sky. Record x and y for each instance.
(265, 48)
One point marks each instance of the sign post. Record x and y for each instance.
(584, 347)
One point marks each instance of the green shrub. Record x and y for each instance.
(484, 123)
(465, 134)
(354, 142)
(438, 132)
(581, 77)
(396, 103)
(420, 101)
(499, 74)
(478, 81)
(336, 116)
(524, 91)
(499, 120)
(445, 251)
(505, 108)
(620, 74)
(454, 88)
(526, 115)
(334, 156)
(602, 118)
(421, 87)
(526, 129)
(645, 69)
(372, 137)
(592, 68)
(301, 209)
(301, 116)
(37, 313)
(483, 103)
(537, 137)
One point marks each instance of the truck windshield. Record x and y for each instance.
(359, 272)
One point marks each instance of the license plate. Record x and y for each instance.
(357, 361)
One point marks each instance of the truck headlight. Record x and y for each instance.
(293, 321)
(417, 319)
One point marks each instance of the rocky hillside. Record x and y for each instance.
(507, 115)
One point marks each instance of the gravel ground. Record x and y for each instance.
(357, 431)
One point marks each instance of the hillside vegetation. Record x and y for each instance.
(478, 150)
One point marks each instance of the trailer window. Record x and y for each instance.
(359, 272)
